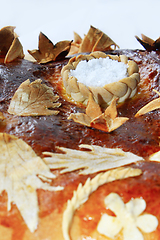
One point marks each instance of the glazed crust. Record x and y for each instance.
(87, 216)
(44, 133)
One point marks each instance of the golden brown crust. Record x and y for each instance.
(87, 217)
(46, 133)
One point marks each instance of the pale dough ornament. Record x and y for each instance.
(129, 218)
(10, 46)
(34, 99)
(83, 192)
(107, 121)
(22, 172)
(123, 89)
(151, 106)
(94, 40)
(47, 51)
(94, 159)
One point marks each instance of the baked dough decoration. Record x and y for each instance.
(129, 218)
(94, 40)
(48, 52)
(81, 195)
(122, 89)
(148, 43)
(95, 159)
(33, 99)
(153, 105)
(155, 157)
(21, 173)
(107, 121)
(10, 46)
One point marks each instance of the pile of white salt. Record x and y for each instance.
(99, 72)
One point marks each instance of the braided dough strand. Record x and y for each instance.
(122, 89)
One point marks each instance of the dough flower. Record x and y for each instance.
(129, 218)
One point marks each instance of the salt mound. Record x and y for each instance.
(99, 72)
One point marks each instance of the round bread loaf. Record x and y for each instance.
(64, 180)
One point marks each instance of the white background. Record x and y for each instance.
(119, 19)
